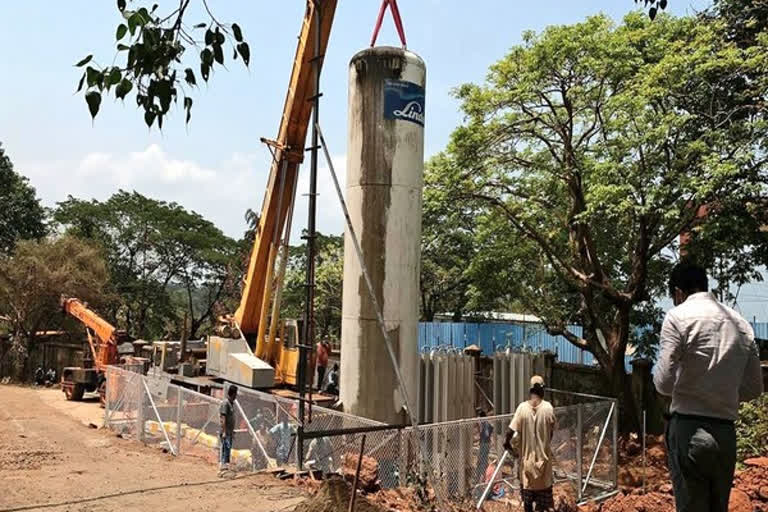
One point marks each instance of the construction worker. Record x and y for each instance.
(226, 428)
(321, 361)
(708, 363)
(39, 376)
(333, 381)
(485, 432)
(530, 437)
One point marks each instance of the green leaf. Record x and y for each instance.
(84, 61)
(663, 4)
(205, 70)
(149, 118)
(143, 17)
(132, 22)
(206, 56)
(121, 31)
(219, 37)
(238, 33)
(209, 37)
(123, 88)
(652, 13)
(189, 76)
(80, 83)
(200, 25)
(160, 121)
(234, 54)
(93, 99)
(188, 107)
(218, 54)
(245, 52)
(114, 76)
(122, 47)
(154, 7)
(121, 5)
(93, 77)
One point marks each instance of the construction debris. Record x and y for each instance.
(333, 496)
(369, 471)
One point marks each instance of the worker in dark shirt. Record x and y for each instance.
(227, 427)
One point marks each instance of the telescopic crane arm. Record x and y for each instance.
(104, 347)
(288, 152)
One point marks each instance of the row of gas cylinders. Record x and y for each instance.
(446, 386)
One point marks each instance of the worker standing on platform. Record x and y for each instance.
(530, 436)
(227, 428)
(321, 361)
(708, 364)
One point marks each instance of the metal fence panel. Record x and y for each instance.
(453, 461)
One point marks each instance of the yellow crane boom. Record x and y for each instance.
(288, 151)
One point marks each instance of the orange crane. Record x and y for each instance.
(103, 340)
(263, 282)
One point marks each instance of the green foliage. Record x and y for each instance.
(447, 245)
(21, 214)
(584, 155)
(36, 275)
(329, 274)
(752, 429)
(153, 47)
(164, 260)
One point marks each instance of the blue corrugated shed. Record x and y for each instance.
(761, 329)
(496, 336)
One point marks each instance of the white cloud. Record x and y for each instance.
(221, 192)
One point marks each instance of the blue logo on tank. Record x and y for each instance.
(404, 101)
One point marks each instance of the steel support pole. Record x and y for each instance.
(493, 480)
(159, 419)
(580, 449)
(611, 415)
(308, 338)
(179, 405)
(615, 445)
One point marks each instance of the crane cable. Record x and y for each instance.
(392, 4)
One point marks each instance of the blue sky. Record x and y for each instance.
(217, 166)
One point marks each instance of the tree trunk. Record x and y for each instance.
(621, 384)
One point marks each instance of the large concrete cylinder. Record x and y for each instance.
(385, 176)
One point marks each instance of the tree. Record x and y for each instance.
(22, 217)
(447, 248)
(153, 47)
(587, 151)
(165, 261)
(329, 274)
(34, 278)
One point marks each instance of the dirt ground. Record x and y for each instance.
(51, 459)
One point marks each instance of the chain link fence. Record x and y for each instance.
(451, 462)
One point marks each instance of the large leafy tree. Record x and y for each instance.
(21, 214)
(165, 261)
(587, 151)
(34, 278)
(447, 248)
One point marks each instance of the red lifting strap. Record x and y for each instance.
(395, 15)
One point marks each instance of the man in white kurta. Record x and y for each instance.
(530, 436)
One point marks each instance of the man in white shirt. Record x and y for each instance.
(708, 364)
(530, 435)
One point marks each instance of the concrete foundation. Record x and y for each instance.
(385, 167)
